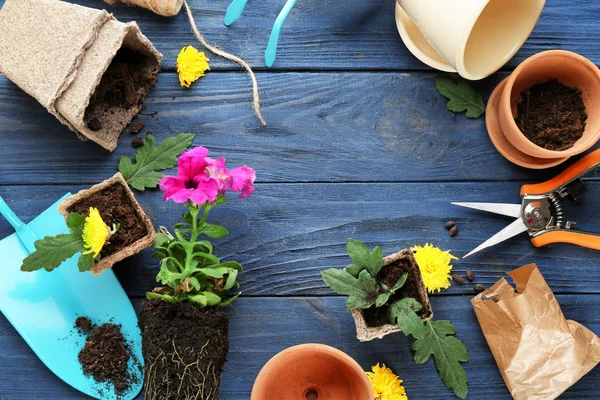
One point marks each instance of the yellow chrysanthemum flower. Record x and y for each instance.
(386, 385)
(435, 266)
(191, 65)
(95, 233)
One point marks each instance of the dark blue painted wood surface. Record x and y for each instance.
(359, 144)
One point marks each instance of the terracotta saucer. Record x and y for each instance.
(504, 147)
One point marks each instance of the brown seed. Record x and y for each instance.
(470, 274)
(479, 288)
(453, 231)
(450, 224)
(137, 142)
(137, 127)
(457, 278)
(94, 125)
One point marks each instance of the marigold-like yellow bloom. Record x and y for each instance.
(435, 266)
(386, 385)
(95, 233)
(191, 65)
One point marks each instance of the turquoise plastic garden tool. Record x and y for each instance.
(234, 11)
(43, 306)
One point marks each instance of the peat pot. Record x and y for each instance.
(312, 371)
(414, 287)
(568, 68)
(117, 205)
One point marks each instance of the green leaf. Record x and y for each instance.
(448, 352)
(86, 262)
(205, 299)
(156, 296)
(51, 251)
(382, 299)
(231, 278)
(434, 338)
(162, 239)
(214, 231)
(229, 301)
(232, 265)
(75, 223)
(462, 97)
(363, 259)
(400, 283)
(404, 313)
(151, 158)
(363, 291)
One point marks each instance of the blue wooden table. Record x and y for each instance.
(359, 144)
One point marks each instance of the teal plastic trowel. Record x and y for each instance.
(43, 306)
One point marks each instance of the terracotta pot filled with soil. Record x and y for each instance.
(117, 206)
(374, 322)
(547, 110)
(312, 371)
(89, 70)
(185, 349)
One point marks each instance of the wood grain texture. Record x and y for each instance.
(286, 233)
(337, 35)
(323, 127)
(261, 327)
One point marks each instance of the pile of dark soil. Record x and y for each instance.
(184, 349)
(389, 275)
(115, 207)
(552, 115)
(106, 355)
(124, 85)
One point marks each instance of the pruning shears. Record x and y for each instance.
(541, 212)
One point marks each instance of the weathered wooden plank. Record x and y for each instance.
(353, 34)
(286, 233)
(354, 127)
(261, 327)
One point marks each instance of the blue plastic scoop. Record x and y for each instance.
(43, 306)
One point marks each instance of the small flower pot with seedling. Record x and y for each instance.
(390, 291)
(117, 207)
(184, 334)
(106, 225)
(396, 277)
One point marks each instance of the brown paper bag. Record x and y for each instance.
(540, 354)
(59, 53)
(167, 8)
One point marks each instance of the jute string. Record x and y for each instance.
(230, 57)
(171, 8)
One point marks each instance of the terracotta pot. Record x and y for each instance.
(133, 248)
(300, 370)
(366, 333)
(568, 68)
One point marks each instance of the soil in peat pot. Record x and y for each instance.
(389, 275)
(115, 207)
(105, 356)
(552, 115)
(184, 349)
(124, 85)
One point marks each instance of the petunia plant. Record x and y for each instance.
(87, 236)
(189, 271)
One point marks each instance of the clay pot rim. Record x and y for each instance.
(505, 104)
(317, 347)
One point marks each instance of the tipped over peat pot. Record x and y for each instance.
(373, 323)
(184, 348)
(89, 70)
(312, 371)
(117, 205)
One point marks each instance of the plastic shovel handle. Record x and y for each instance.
(576, 170)
(234, 11)
(24, 232)
(271, 52)
(583, 239)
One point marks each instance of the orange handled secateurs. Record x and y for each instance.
(541, 212)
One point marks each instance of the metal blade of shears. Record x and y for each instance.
(509, 210)
(510, 231)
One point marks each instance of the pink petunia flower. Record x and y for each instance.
(217, 170)
(243, 180)
(192, 181)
